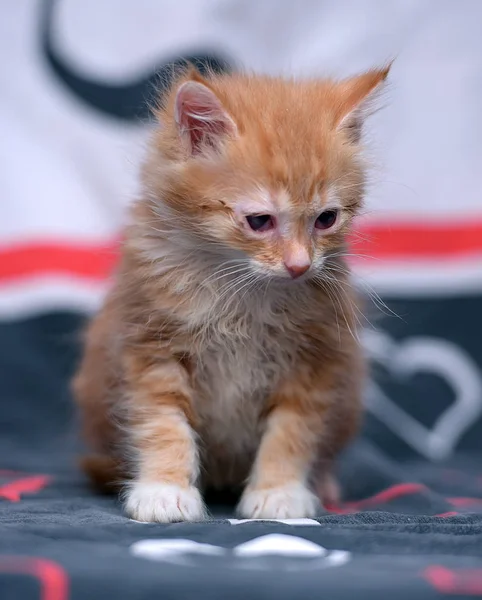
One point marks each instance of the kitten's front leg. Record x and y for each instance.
(164, 489)
(278, 485)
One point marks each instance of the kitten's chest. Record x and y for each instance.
(235, 373)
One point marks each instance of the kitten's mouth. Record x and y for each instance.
(299, 279)
(287, 279)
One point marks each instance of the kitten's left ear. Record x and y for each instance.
(202, 120)
(356, 95)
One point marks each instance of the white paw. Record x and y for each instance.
(293, 501)
(164, 503)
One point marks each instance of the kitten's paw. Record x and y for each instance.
(164, 503)
(292, 501)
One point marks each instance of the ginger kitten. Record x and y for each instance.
(225, 354)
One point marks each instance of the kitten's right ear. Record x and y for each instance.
(356, 94)
(202, 120)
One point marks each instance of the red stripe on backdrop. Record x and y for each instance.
(425, 241)
(85, 261)
(395, 241)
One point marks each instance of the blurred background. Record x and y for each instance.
(76, 79)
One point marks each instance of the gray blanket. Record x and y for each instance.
(406, 528)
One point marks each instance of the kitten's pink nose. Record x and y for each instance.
(296, 259)
(297, 270)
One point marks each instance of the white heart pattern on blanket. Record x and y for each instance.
(288, 552)
(441, 358)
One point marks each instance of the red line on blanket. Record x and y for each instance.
(464, 501)
(13, 490)
(388, 241)
(53, 580)
(450, 513)
(391, 493)
(454, 581)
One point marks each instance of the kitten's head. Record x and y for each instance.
(261, 169)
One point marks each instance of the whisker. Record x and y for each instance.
(324, 287)
(373, 295)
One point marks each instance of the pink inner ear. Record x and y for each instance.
(201, 118)
(203, 131)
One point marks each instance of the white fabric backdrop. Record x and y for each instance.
(66, 172)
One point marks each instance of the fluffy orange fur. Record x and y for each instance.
(226, 353)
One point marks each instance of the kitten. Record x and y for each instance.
(226, 353)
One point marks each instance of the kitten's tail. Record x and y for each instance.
(328, 489)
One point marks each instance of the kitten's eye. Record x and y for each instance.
(326, 220)
(260, 222)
